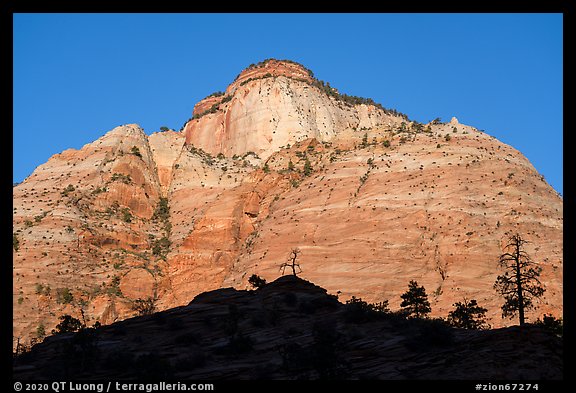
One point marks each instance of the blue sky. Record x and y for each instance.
(77, 76)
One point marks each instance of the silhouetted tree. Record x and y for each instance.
(256, 281)
(358, 310)
(549, 322)
(67, 324)
(292, 262)
(415, 301)
(519, 285)
(468, 315)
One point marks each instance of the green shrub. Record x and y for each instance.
(364, 141)
(136, 151)
(64, 296)
(39, 217)
(307, 167)
(161, 247)
(126, 179)
(15, 242)
(162, 211)
(67, 190)
(41, 331)
(39, 289)
(126, 215)
(114, 287)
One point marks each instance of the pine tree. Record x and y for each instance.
(67, 324)
(468, 315)
(415, 301)
(519, 285)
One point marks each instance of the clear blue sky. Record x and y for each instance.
(77, 76)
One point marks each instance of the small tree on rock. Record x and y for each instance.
(551, 323)
(519, 285)
(68, 324)
(292, 262)
(468, 315)
(256, 281)
(415, 301)
(136, 151)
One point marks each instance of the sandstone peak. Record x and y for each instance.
(277, 103)
(272, 68)
(372, 200)
(454, 120)
(264, 69)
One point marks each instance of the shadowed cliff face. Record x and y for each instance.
(290, 329)
(371, 199)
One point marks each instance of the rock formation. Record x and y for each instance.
(279, 160)
(290, 329)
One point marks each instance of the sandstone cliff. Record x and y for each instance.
(372, 199)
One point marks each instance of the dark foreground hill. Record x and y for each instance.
(290, 329)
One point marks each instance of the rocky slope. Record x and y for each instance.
(372, 200)
(290, 329)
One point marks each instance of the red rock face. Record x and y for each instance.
(276, 105)
(273, 68)
(367, 218)
(436, 215)
(83, 222)
(205, 104)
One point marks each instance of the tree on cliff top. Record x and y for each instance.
(292, 262)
